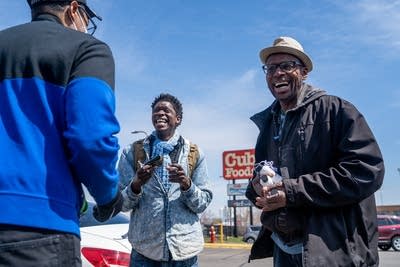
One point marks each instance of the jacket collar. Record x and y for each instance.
(308, 94)
(48, 17)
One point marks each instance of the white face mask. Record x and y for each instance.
(84, 30)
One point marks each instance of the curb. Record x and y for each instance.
(227, 245)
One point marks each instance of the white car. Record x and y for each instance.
(104, 244)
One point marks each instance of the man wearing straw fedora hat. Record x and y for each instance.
(322, 212)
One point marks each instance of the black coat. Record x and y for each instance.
(333, 168)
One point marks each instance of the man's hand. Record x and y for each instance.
(143, 175)
(178, 175)
(258, 188)
(105, 212)
(273, 197)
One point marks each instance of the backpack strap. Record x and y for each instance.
(138, 154)
(193, 157)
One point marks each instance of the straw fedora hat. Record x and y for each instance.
(287, 45)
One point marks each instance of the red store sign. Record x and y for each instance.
(238, 164)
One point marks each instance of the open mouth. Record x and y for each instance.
(281, 84)
(160, 122)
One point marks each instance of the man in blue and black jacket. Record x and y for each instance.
(57, 131)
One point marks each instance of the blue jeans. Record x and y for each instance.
(31, 247)
(138, 260)
(283, 259)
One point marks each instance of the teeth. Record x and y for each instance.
(281, 84)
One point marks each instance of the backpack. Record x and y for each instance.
(140, 155)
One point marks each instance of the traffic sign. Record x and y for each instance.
(236, 189)
(239, 203)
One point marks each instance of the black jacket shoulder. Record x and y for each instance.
(46, 49)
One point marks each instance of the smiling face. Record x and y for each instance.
(284, 85)
(165, 119)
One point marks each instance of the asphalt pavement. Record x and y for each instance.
(236, 255)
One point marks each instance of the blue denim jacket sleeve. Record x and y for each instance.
(125, 167)
(127, 174)
(198, 196)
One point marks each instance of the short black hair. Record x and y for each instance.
(48, 7)
(171, 99)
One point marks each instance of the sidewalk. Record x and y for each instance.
(228, 245)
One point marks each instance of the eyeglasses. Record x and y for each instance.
(91, 25)
(286, 66)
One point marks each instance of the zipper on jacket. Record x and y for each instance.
(302, 136)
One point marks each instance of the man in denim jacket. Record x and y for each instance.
(165, 202)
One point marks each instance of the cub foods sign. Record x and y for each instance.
(238, 164)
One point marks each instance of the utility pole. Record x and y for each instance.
(234, 215)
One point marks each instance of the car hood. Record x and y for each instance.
(115, 232)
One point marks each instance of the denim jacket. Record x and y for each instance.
(165, 222)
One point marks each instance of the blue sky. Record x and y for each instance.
(206, 53)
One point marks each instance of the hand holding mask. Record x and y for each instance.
(265, 176)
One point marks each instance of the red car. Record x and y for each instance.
(389, 232)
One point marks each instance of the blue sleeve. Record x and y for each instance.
(90, 132)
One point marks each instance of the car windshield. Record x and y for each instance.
(388, 220)
(255, 228)
(382, 221)
(395, 220)
(87, 219)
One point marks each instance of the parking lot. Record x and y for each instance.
(231, 257)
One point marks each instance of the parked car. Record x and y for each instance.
(251, 233)
(104, 244)
(389, 232)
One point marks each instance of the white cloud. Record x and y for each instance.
(220, 118)
(377, 22)
(219, 121)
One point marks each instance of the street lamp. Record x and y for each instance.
(140, 131)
